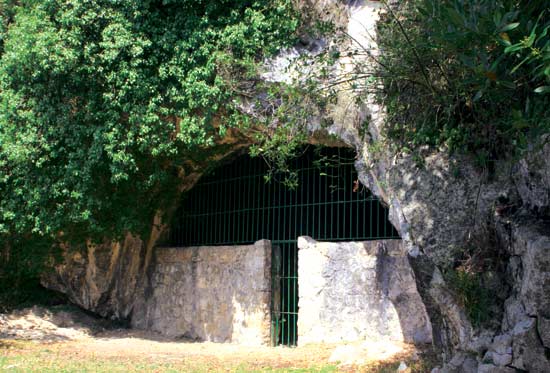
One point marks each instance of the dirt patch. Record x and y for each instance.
(59, 336)
(51, 325)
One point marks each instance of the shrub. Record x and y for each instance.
(101, 102)
(470, 75)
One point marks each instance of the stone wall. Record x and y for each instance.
(219, 294)
(356, 291)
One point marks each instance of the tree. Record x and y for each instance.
(100, 101)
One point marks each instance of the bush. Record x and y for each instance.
(471, 294)
(470, 75)
(103, 103)
(21, 262)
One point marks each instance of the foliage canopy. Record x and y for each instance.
(472, 75)
(101, 100)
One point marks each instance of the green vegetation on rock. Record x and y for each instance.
(473, 76)
(101, 101)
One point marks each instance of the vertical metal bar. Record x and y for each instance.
(386, 221)
(364, 207)
(377, 219)
(332, 198)
(178, 237)
(283, 293)
(198, 206)
(204, 213)
(267, 202)
(238, 198)
(338, 202)
(219, 211)
(283, 211)
(295, 256)
(189, 223)
(211, 216)
(349, 187)
(254, 207)
(319, 204)
(307, 230)
(195, 223)
(236, 220)
(326, 170)
(357, 204)
(371, 233)
(262, 198)
(296, 294)
(313, 199)
(227, 212)
(300, 216)
(249, 235)
(187, 226)
(231, 208)
(261, 206)
(287, 232)
(241, 181)
(204, 217)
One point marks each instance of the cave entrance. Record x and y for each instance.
(234, 205)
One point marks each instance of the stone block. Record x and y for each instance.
(218, 294)
(353, 291)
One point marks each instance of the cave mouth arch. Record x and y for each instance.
(234, 205)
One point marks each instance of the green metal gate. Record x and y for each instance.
(234, 205)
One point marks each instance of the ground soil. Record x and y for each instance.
(71, 335)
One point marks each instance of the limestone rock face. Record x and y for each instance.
(102, 279)
(353, 291)
(532, 178)
(443, 206)
(524, 343)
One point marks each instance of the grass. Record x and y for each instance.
(46, 362)
(30, 356)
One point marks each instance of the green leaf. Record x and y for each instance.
(494, 65)
(509, 27)
(543, 33)
(455, 16)
(497, 18)
(529, 42)
(542, 89)
(514, 48)
(507, 84)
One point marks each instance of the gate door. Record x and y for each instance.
(234, 205)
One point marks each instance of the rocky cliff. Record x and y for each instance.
(450, 214)
(454, 215)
